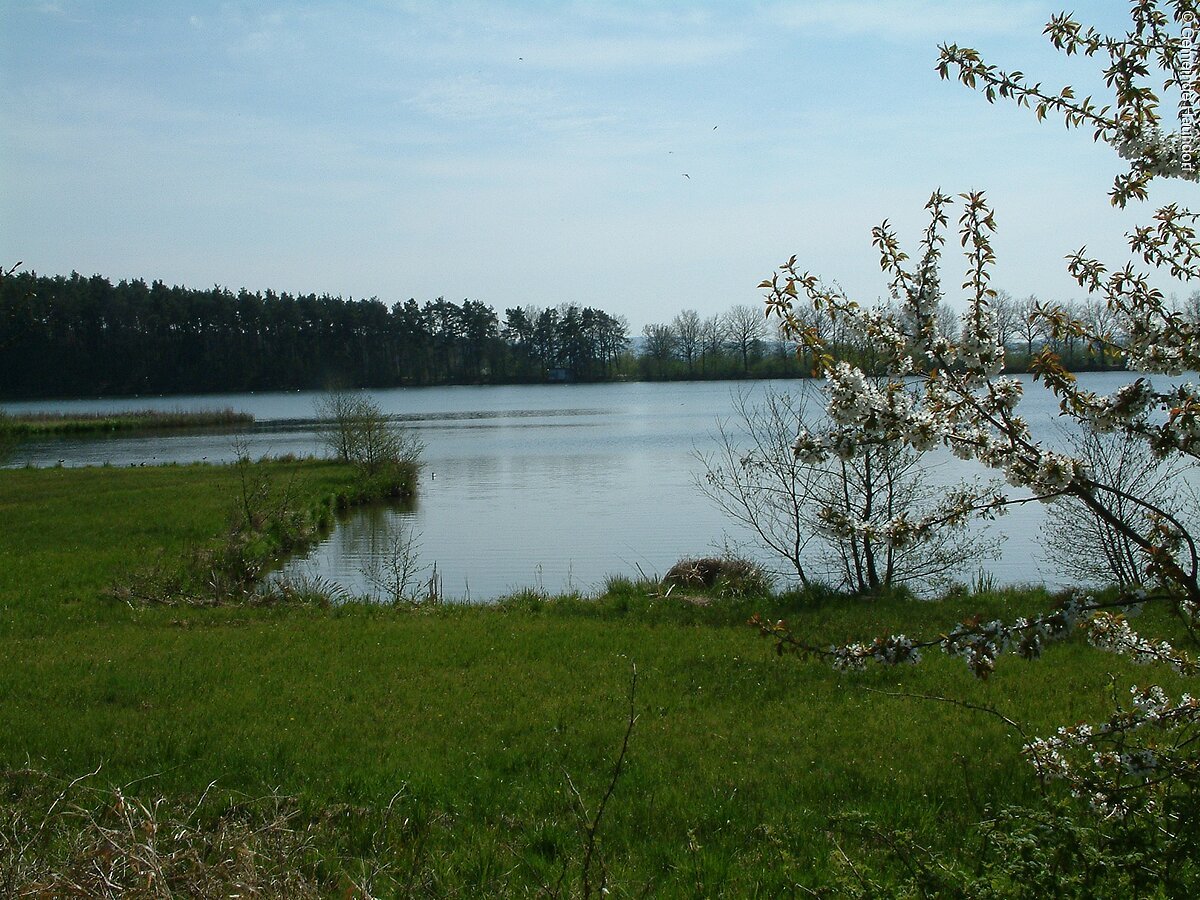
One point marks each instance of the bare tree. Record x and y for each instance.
(1005, 310)
(688, 333)
(815, 322)
(745, 328)
(1191, 308)
(1065, 342)
(781, 346)
(660, 341)
(712, 335)
(947, 321)
(1030, 327)
(1103, 323)
(395, 571)
(1089, 548)
(338, 409)
(754, 477)
(811, 514)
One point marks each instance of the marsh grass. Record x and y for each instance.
(477, 715)
(78, 840)
(42, 424)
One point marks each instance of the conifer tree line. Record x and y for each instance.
(80, 336)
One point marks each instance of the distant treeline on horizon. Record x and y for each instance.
(79, 336)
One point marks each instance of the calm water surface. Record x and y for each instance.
(546, 486)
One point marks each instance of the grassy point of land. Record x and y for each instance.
(464, 749)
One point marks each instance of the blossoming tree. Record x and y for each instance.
(950, 391)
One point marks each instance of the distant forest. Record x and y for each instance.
(77, 336)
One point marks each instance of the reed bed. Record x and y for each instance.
(50, 423)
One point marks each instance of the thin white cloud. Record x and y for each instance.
(69, 12)
(471, 98)
(906, 19)
(633, 52)
(570, 38)
(270, 34)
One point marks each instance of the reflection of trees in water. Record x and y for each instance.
(394, 569)
(367, 531)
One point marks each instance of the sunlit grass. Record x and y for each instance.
(482, 717)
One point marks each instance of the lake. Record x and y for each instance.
(552, 487)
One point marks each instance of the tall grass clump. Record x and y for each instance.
(80, 839)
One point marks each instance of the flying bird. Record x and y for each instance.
(687, 176)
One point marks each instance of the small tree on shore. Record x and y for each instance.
(757, 482)
(395, 570)
(338, 409)
(358, 432)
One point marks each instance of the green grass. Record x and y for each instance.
(482, 717)
(72, 533)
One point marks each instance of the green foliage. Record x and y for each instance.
(1026, 853)
(79, 336)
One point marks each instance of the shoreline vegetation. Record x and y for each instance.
(41, 424)
(166, 714)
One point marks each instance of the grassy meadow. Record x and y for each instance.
(458, 751)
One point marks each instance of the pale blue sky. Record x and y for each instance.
(528, 152)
